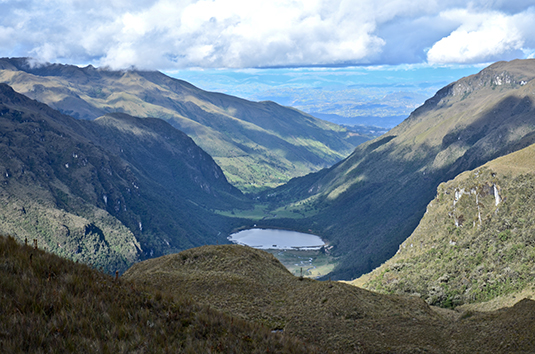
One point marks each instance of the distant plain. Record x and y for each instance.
(380, 96)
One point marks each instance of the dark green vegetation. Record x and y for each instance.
(368, 204)
(107, 192)
(257, 144)
(254, 286)
(476, 241)
(52, 305)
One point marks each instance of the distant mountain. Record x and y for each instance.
(251, 284)
(257, 144)
(475, 241)
(107, 192)
(369, 203)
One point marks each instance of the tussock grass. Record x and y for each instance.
(253, 285)
(52, 305)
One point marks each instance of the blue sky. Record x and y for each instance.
(357, 95)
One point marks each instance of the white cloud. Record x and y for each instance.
(480, 36)
(168, 34)
(236, 33)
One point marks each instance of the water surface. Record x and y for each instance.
(276, 239)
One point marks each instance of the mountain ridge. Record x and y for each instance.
(474, 243)
(257, 144)
(108, 192)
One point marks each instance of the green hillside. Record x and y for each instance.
(253, 285)
(52, 305)
(475, 243)
(368, 204)
(106, 192)
(257, 144)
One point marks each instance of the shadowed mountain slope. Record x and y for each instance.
(257, 144)
(368, 204)
(107, 192)
(475, 242)
(253, 285)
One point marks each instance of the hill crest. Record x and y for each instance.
(250, 284)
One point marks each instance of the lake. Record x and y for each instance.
(276, 239)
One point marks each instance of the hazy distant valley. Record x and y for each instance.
(370, 100)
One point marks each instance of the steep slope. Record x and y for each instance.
(107, 192)
(369, 203)
(252, 284)
(257, 144)
(476, 240)
(52, 305)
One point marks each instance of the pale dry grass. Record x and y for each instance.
(253, 285)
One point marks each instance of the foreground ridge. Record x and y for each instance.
(50, 304)
(253, 285)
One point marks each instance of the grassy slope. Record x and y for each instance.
(253, 285)
(257, 144)
(51, 305)
(476, 241)
(370, 202)
(107, 192)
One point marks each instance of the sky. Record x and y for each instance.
(236, 34)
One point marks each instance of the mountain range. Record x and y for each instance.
(444, 200)
(364, 206)
(368, 204)
(257, 144)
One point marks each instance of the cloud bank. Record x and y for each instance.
(167, 35)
